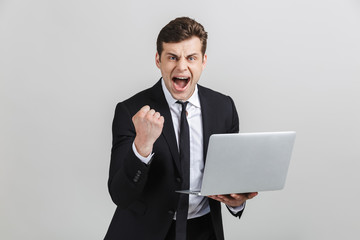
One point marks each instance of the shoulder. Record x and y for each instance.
(208, 91)
(209, 95)
(147, 94)
(145, 97)
(221, 109)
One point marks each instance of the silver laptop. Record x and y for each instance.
(246, 162)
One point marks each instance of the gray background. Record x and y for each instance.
(289, 65)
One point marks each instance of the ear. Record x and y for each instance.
(204, 61)
(157, 59)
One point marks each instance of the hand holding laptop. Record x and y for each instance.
(235, 199)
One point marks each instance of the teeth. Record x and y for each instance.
(182, 78)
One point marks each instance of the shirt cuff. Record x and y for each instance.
(235, 210)
(145, 160)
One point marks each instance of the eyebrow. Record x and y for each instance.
(174, 55)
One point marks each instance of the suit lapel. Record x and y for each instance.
(160, 105)
(206, 119)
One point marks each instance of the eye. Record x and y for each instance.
(172, 58)
(191, 58)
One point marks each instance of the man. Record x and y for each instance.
(160, 139)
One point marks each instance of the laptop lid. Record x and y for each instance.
(247, 162)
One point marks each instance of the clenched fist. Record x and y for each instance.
(148, 126)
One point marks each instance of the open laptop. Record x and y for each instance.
(246, 162)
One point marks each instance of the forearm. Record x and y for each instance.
(127, 175)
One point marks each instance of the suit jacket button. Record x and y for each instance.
(178, 180)
(171, 212)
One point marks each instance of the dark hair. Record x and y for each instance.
(181, 29)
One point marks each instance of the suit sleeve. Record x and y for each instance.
(128, 174)
(238, 214)
(235, 129)
(235, 118)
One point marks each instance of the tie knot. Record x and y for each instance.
(183, 104)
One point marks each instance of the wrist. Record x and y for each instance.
(144, 149)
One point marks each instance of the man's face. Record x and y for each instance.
(181, 65)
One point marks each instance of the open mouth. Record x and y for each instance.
(181, 83)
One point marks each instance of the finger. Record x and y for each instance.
(142, 112)
(252, 195)
(216, 198)
(145, 109)
(213, 197)
(224, 198)
(161, 119)
(157, 115)
(151, 112)
(150, 115)
(237, 196)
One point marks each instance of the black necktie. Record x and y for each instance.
(184, 147)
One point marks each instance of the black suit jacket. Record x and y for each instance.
(145, 194)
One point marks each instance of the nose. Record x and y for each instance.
(182, 64)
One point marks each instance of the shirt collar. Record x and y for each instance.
(193, 100)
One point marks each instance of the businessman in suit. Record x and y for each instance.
(160, 139)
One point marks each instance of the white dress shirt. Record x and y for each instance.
(198, 205)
